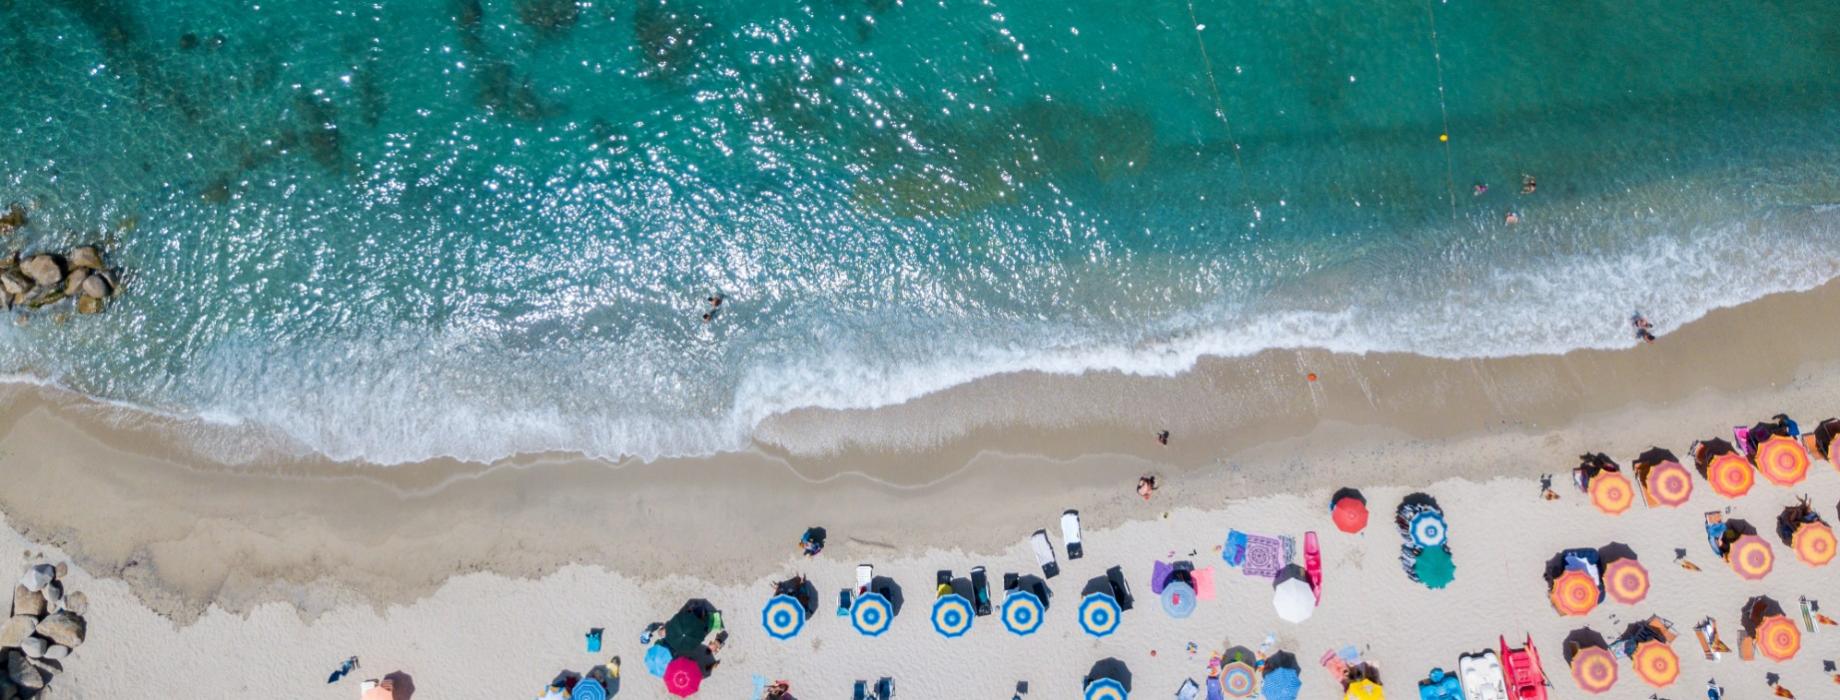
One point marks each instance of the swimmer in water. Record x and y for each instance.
(1512, 219)
(715, 302)
(1528, 184)
(1480, 190)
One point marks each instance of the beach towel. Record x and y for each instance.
(1290, 548)
(1234, 552)
(1264, 556)
(1204, 583)
(1159, 574)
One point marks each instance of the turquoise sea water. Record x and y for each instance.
(405, 229)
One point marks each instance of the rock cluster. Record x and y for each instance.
(42, 279)
(45, 627)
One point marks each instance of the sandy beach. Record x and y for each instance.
(215, 580)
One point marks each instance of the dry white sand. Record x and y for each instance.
(487, 636)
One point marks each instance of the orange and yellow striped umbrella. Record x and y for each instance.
(1611, 492)
(1751, 557)
(1782, 460)
(1574, 593)
(1778, 638)
(1813, 543)
(1594, 669)
(1669, 484)
(1731, 475)
(1656, 663)
(1626, 581)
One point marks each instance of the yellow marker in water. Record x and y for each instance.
(1445, 138)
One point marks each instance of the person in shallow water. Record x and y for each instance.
(1146, 485)
(715, 301)
(1642, 327)
(1511, 219)
(1480, 189)
(1528, 184)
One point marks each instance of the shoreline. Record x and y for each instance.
(189, 534)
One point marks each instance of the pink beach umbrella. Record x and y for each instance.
(683, 677)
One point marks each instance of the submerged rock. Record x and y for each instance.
(64, 628)
(15, 217)
(85, 256)
(43, 269)
(89, 305)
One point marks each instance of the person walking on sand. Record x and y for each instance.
(1162, 437)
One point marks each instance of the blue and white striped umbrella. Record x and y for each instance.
(589, 689)
(1178, 599)
(1022, 612)
(952, 615)
(783, 617)
(1099, 614)
(1106, 689)
(1428, 530)
(871, 614)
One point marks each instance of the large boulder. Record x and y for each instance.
(73, 283)
(62, 627)
(85, 257)
(16, 629)
(27, 602)
(43, 269)
(14, 283)
(57, 652)
(34, 647)
(54, 593)
(21, 671)
(39, 576)
(96, 287)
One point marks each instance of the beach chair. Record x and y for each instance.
(1070, 534)
(1044, 554)
(942, 582)
(884, 689)
(1715, 531)
(980, 591)
(1707, 632)
(1189, 690)
(865, 574)
(860, 691)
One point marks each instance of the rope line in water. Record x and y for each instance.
(1220, 108)
(1437, 55)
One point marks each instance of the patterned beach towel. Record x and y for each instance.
(1264, 556)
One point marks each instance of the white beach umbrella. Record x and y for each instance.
(1294, 600)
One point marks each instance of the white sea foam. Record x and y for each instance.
(408, 397)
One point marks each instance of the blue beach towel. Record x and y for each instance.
(1235, 550)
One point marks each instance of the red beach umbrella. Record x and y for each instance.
(1349, 511)
(683, 677)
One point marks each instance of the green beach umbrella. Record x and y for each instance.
(1434, 567)
(685, 632)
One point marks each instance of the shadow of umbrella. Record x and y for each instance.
(1614, 551)
(1581, 639)
(1038, 586)
(890, 590)
(402, 685)
(1097, 584)
(1110, 667)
